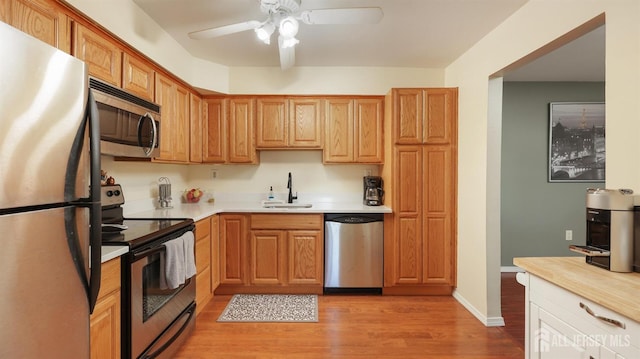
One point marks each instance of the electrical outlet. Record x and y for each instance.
(367, 172)
(568, 235)
(214, 174)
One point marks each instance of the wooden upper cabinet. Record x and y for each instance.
(196, 129)
(271, 122)
(407, 116)
(305, 123)
(440, 113)
(181, 131)
(41, 19)
(103, 56)
(241, 119)
(174, 124)
(424, 115)
(339, 131)
(166, 98)
(214, 140)
(138, 77)
(368, 140)
(288, 122)
(353, 130)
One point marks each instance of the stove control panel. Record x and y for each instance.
(112, 195)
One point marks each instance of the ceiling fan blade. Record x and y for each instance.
(363, 15)
(287, 54)
(224, 30)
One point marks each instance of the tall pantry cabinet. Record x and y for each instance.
(420, 186)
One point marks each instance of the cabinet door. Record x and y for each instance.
(166, 98)
(105, 328)
(338, 146)
(233, 248)
(180, 132)
(39, 18)
(196, 129)
(215, 252)
(138, 77)
(203, 263)
(271, 122)
(268, 256)
(408, 219)
(305, 123)
(407, 116)
(551, 338)
(306, 258)
(437, 214)
(368, 131)
(215, 125)
(104, 322)
(102, 55)
(241, 135)
(440, 114)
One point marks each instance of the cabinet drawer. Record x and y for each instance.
(203, 228)
(572, 309)
(286, 221)
(110, 278)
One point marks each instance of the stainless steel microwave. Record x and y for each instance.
(129, 125)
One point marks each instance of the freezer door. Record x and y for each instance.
(43, 93)
(43, 285)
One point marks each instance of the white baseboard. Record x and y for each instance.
(511, 269)
(487, 321)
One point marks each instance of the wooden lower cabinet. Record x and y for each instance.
(271, 253)
(204, 293)
(105, 319)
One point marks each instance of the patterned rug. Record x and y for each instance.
(271, 308)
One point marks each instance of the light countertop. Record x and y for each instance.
(201, 210)
(110, 252)
(615, 291)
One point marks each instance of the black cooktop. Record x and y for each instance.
(144, 230)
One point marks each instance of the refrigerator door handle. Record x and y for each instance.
(95, 232)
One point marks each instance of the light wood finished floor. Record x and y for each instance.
(355, 327)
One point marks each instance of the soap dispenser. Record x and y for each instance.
(270, 197)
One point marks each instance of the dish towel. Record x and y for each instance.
(189, 255)
(174, 264)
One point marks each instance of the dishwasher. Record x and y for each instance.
(353, 252)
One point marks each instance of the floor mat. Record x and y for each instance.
(271, 308)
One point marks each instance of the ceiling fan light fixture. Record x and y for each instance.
(288, 27)
(289, 42)
(264, 32)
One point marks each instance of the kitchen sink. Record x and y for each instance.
(287, 205)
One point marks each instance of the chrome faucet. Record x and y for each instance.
(290, 187)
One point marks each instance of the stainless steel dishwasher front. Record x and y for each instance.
(353, 252)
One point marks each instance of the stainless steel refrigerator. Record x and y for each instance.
(49, 200)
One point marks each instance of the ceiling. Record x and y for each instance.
(412, 33)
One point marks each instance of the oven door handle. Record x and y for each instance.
(190, 312)
(148, 252)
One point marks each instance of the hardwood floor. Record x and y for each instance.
(355, 327)
(512, 297)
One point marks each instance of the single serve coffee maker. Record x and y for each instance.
(373, 193)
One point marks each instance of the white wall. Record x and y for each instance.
(537, 23)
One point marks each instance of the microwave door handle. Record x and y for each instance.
(154, 133)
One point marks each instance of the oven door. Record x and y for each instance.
(153, 308)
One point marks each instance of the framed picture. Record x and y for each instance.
(576, 142)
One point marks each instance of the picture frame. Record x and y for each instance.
(576, 142)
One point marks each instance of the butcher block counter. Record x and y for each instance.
(616, 291)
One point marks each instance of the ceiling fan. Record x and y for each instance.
(285, 15)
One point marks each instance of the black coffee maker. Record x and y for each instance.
(373, 193)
